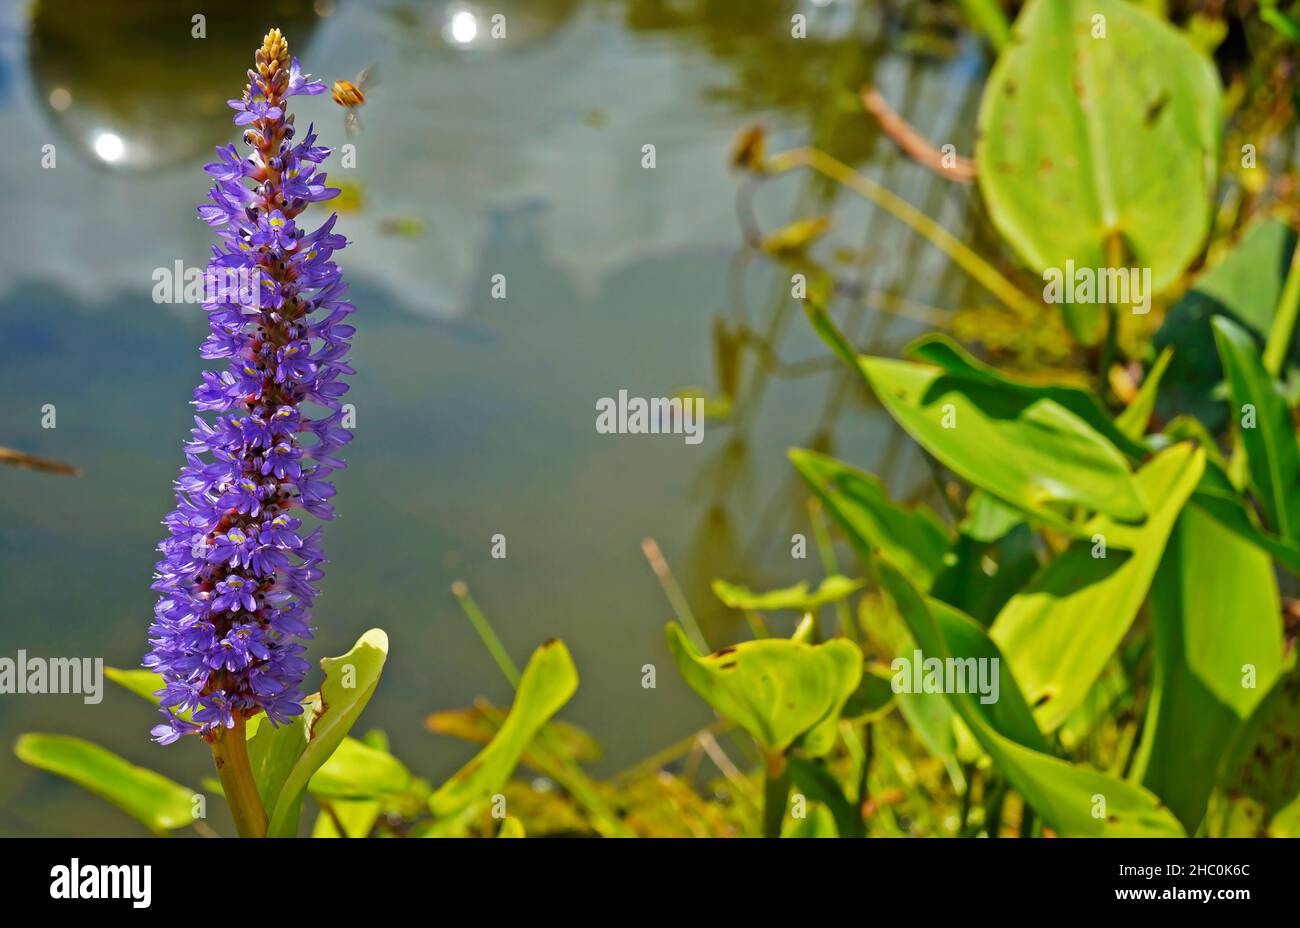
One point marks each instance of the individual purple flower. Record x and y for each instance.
(245, 496)
(281, 532)
(228, 166)
(294, 362)
(231, 549)
(282, 460)
(235, 593)
(275, 232)
(300, 83)
(255, 110)
(236, 580)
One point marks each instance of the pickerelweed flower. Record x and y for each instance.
(237, 571)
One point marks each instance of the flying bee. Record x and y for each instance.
(351, 96)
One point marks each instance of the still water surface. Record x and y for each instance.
(475, 416)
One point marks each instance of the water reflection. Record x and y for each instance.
(462, 26)
(499, 26)
(131, 87)
(517, 156)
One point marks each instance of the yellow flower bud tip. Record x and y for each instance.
(275, 52)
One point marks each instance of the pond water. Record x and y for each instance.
(475, 416)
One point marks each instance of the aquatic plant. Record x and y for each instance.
(1100, 545)
(236, 577)
(1114, 550)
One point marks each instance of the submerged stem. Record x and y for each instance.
(486, 633)
(826, 550)
(230, 753)
(961, 255)
(650, 548)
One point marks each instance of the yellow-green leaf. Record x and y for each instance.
(356, 816)
(1267, 435)
(150, 798)
(480, 723)
(914, 539)
(776, 689)
(284, 758)
(1021, 445)
(942, 351)
(1217, 612)
(511, 827)
(794, 238)
(1075, 801)
(1133, 420)
(1089, 141)
(1060, 631)
(797, 598)
(544, 687)
(1029, 450)
(358, 771)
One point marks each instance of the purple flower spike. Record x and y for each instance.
(237, 569)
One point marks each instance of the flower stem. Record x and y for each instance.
(230, 753)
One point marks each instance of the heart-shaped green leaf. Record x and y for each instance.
(1099, 130)
(544, 687)
(1060, 631)
(776, 689)
(150, 798)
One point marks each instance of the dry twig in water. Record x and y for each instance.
(32, 462)
(914, 145)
